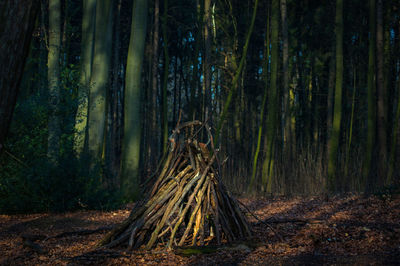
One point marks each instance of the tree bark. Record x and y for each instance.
(132, 125)
(381, 95)
(99, 78)
(371, 121)
(165, 80)
(395, 144)
(17, 20)
(88, 30)
(285, 69)
(331, 89)
(207, 58)
(260, 126)
(272, 118)
(154, 140)
(112, 147)
(53, 64)
(337, 111)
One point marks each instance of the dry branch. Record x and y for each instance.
(187, 204)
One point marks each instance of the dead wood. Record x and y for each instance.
(187, 204)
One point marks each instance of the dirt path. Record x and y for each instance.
(344, 230)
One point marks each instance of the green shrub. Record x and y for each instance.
(29, 182)
(46, 187)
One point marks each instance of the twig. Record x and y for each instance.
(14, 157)
(261, 221)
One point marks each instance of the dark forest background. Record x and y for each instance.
(303, 97)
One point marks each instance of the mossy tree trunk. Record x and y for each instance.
(54, 82)
(99, 78)
(132, 125)
(88, 30)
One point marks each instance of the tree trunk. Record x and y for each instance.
(272, 119)
(395, 144)
(381, 95)
(88, 30)
(371, 121)
(286, 89)
(337, 111)
(165, 80)
(175, 91)
(207, 58)
(195, 61)
(132, 125)
(350, 135)
(331, 84)
(154, 140)
(17, 21)
(99, 78)
(53, 63)
(112, 147)
(260, 127)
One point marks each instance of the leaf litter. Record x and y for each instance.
(347, 229)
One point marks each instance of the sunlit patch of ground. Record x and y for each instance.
(314, 231)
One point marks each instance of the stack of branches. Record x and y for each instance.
(187, 204)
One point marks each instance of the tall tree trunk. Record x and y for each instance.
(350, 135)
(175, 90)
(272, 119)
(286, 89)
(195, 61)
(381, 95)
(329, 107)
(154, 140)
(43, 49)
(389, 68)
(337, 110)
(207, 58)
(262, 111)
(132, 125)
(99, 78)
(395, 143)
(371, 121)
(165, 80)
(53, 63)
(17, 21)
(88, 30)
(65, 40)
(112, 148)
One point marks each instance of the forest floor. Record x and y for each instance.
(343, 230)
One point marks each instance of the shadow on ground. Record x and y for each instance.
(347, 230)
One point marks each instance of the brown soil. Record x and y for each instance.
(348, 230)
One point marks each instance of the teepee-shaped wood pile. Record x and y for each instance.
(188, 204)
